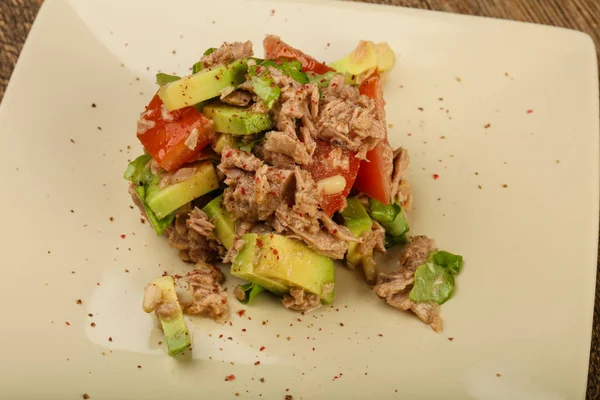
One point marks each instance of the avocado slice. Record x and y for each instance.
(236, 120)
(202, 85)
(278, 263)
(358, 222)
(174, 328)
(221, 218)
(163, 201)
(222, 141)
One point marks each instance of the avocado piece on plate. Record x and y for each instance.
(222, 220)
(278, 263)
(223, 140)
(202, 85)
(236, 120)
(163, 201)
(160, 296)
(358, 222)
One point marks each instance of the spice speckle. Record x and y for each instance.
(229, 378)
(85, 396)
(505, 186)
(110, 339)
(529, 111)
(450, 338)
(435, 176)
(93, 105)
(79, 301)
(487, 126)
(498, 374)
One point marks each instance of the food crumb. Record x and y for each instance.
(498, 374)
(420, 108)
(529, 111)
(111, 219)
(93, 324)
(90, 315)
(93, 105)
(72, 141)
(110, 339)
(272, 12)
(480, 187)
(341, 324)
(380, 335)
(241, 313)
(262, 380)
(262, 348)
(237, 394)
(257, 363)
(229, 378)
(505, 185)
(67, 323)
(85, 396)
(159, 342)
(139, 366)
(487, 125)
(289, 397)
(458, 79)
(79, 301)
(450, 338)
(558, 161)
(442, 137)
(435, 176)
(289, 338)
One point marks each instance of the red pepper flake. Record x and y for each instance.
(274, 251)
(409, 134)
(90, 315)
(259, 243)
(334, 231)
(85, 396)
(110, 338)
(529, 111)
(220, 336)
(241, 313)
(313, 349)
(257, 363)
(72, 141)
(229, 153)
(243, 329)
(67, 323)
(487, 126)
(229, 378)
(262, 348)
(123, 236)
(243, 190)
(435, 176)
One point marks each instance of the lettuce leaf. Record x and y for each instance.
(251, 290)
(140, 174)
(293, 69)
(452, 262)
(432, 283)
(391, 216)
(162, 79)
(263, 85)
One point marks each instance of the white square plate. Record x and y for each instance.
(506, 114)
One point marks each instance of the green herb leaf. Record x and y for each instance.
(199, 66)
(322, 80)
(392, 217)
(452, 262)
(251, 290)
(391, 241)
(432, 283)
(263, 85)
(293, 69)
(210, 50)
(137, 170)
(163, 79)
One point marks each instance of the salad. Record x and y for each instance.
(275, 168)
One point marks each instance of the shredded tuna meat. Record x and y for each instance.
(395, 287)
(198, 221)
(256, 196)
(277, 142)
(373, 240)
(237, 98)
(349, 119)
(299, 300)
(274, 159)
(401, 190)
(227, 53)
(192, 245)
(234, 158)
(203, 294)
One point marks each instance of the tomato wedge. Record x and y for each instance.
(321, 168)
(275, 48)
(372, 178)
(173, 138)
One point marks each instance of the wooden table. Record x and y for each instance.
(16, 17)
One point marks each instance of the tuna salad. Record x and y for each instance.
(274, 168)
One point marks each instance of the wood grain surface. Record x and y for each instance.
(16, 17)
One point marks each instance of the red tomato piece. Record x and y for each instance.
(164, 134)
(321, 168)
(372, 179)
(275, 48)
